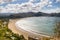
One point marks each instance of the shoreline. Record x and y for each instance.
(12, 27)
(23, 32)
(32, 32)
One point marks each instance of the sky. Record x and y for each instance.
(20, 6)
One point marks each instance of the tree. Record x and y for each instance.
(57, 30)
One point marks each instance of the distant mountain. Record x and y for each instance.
(28, 14)
(55, 14)
(31, 14)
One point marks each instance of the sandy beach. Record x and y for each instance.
(14, 29)
(12, 26)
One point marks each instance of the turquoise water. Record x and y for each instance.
(40, 25)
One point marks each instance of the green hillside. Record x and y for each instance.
(7, 34)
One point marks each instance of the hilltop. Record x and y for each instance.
(28, 14)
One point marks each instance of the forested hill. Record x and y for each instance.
(28, 14)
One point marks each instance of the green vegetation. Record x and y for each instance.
(7, 34)
(57, 31)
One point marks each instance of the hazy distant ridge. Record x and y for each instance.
(28, 14)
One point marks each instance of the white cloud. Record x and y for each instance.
(31, 0)
(56, 10)
(57, 0)
(50, 2)
(1, 1)
(6, 1)
(49, 6)
(27, 7)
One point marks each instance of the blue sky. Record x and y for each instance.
(50, 5)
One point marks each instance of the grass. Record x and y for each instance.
(6, 33)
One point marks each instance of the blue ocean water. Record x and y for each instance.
(43, 25)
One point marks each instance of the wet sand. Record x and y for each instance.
(16, 30)
(12, 27)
